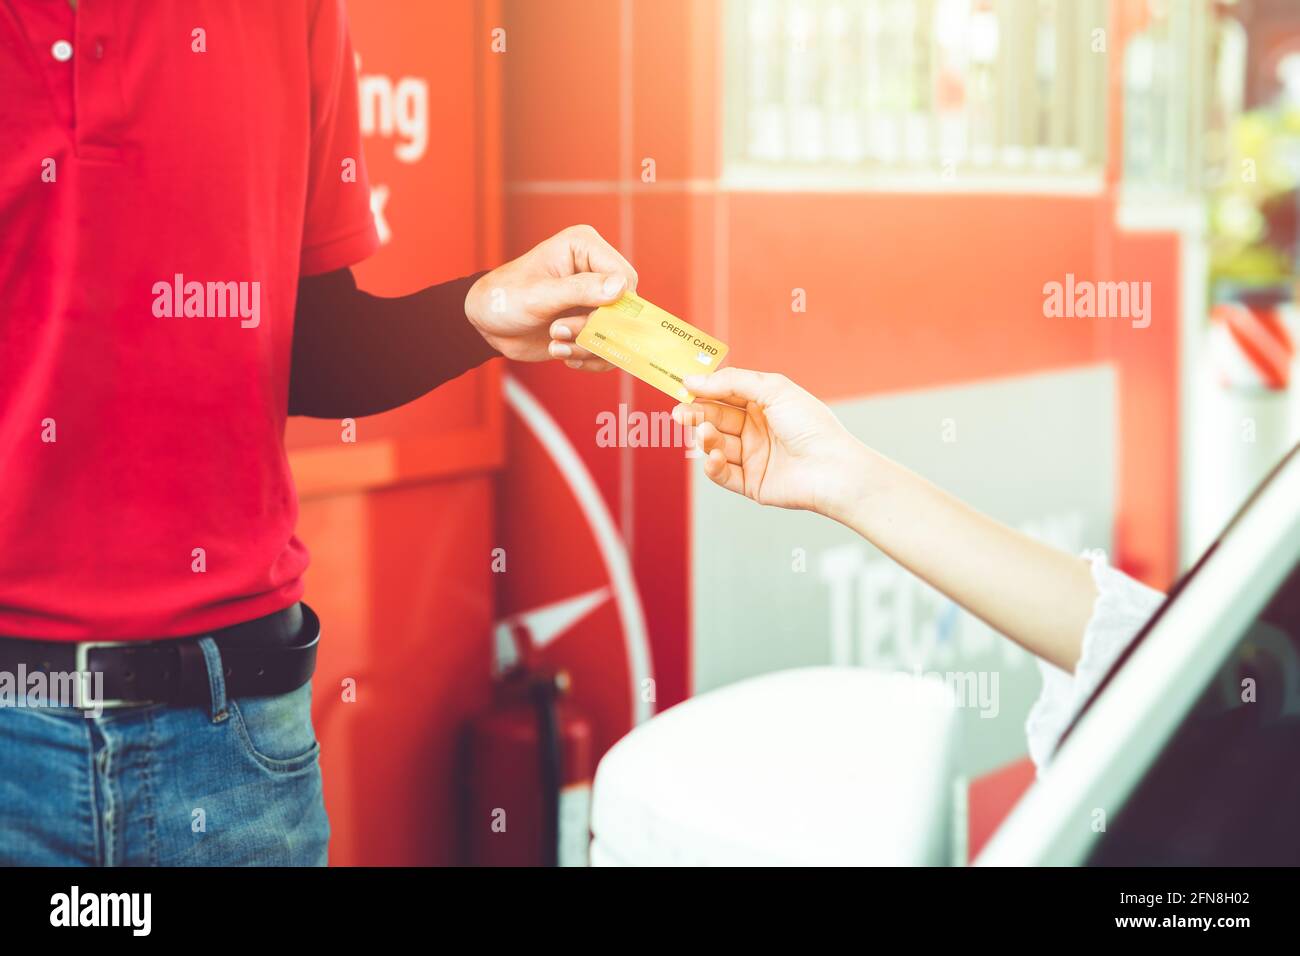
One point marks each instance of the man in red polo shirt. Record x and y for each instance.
(182, 192)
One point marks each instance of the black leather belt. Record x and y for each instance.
(264, 657)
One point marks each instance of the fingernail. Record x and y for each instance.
(613, 286)
(573, 363)
(560, 350)
(560, 331)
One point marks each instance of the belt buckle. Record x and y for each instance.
(81, 664)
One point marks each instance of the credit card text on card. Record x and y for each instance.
(652, 344)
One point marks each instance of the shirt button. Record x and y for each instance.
(61, 51)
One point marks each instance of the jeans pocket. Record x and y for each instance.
(277, 731)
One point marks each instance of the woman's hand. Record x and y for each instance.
(771, 441)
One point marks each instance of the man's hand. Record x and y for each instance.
(533, 308)
(769, 440)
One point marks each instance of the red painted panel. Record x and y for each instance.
(1146, 526)
(574, 400)
(431, 207)
(552, 557)
(991, 798)
(404, 596)
(908, 291)
(663, 83)
(643, 488)
(545, 524)
(431, 202)
(533, 217)
(561, 89)
(671, 252)
(903, 291)
(401, 573)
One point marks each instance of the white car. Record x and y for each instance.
(1188, 754)
(1190, 749)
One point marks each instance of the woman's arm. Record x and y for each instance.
(1038, 596)
(770, 440)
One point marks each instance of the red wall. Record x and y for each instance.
(399, 524)
(903, 291)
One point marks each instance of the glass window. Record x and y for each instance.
(1179, 65)
(937, 86)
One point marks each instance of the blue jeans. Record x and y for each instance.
(237, 783)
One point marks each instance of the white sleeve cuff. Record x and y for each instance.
(1122, 607)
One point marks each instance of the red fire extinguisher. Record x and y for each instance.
(529, 763)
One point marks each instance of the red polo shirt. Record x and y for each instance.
(168, 172)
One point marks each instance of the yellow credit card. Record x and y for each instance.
(655, 346)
